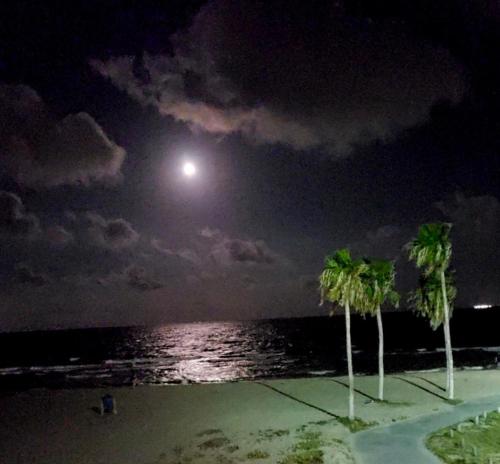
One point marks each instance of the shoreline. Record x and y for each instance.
(215, 422)
(320, 374)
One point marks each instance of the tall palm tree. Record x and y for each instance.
(340, 283)
(431, 250)
(378, 282)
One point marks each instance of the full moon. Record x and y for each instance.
(189, 169)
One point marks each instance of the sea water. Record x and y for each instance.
(232, 351)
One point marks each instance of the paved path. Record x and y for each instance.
(404, 442)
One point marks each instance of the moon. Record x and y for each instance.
(189, 169)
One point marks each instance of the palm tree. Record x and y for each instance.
(340, 283)
(431, 250)
(428, 301)
(378, 282)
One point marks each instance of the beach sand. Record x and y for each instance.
(214, 423)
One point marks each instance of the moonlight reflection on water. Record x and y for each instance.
(230, 351)
(221, 351)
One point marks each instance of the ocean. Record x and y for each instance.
(231, 351)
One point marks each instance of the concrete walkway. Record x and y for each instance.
(404, 442)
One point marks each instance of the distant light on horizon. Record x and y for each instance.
(189, 169)
(483, 306)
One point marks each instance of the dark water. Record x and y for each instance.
(228, 351)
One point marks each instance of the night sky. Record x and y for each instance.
(312, 126)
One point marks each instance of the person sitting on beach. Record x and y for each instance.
(108, 405)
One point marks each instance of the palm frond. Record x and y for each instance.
(340, 281)
(427, 300)
(378, 281)
(431, 249)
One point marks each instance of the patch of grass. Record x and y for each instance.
(308, 441)
(473, 444)
(322, 422)
(310, 435)
(396, 404)
(208, 432)
(269, 434)
(221, 459)
(307, 450)
(337, 441)
(177, 451)
(257, 454)
(305, 457)
(216, 442)
(232, 448)
(356, 424)
(400, 418)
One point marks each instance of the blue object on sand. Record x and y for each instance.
(108, 403)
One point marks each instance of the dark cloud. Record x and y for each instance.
(232, 250)
(383, 233)
(58, 236)
(39, 150)
(475, 218)
(222, 250)
(114, 234)
(134, 276)
(226, 250)
(24, 274)
(210, 233)
(301, 76)
(247, 251)
(14, 221)
(249, 282)
(138, 278)
(70, 216)
(184, 253)
(384, 242)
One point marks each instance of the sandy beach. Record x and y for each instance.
(236, 422)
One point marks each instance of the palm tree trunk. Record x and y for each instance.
(447, 361)
(447, 339)
(349, 360)
(380, 355)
